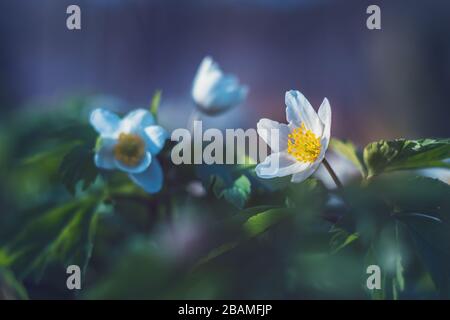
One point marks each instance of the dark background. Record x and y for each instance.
(387, 83)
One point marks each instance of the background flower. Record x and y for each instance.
(130, 145)
(213, 91)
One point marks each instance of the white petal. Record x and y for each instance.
(104, 156)
(305, 174)
(151, 179)
(136, 120)
(215, 92)
(156, 137)
(105, 122)
(226, 93)
(279, 164)
(208, 74)
(142, 166)
(273, 133)
(325, 117)
(298, 110)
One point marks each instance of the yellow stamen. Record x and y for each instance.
(303, 144)
(130, 149)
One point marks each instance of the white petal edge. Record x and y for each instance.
(305, 174)
(299, 110)
(156, 138)
(104, 156)
(227, 93)
(151, 179)
(136, 120)
(279, 164)
(105, 122)
(208, 74)
(274, 134)
(325, 116)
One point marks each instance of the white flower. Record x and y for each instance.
(298, 147)
(130, 145)
(215, 92)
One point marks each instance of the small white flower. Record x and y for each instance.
(130, 145)
(298, 147)
(215, 92)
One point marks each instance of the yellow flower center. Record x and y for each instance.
(130, 149)
(303, 144)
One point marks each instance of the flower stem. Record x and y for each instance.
(332, 173)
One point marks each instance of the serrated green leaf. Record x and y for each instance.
(156, 101)
(348, 150)
(401, 154)
(78, 166)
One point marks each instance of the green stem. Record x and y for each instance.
(332, 173)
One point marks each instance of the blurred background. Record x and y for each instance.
(388, 83)
(385, 83)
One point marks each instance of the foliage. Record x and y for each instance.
(77, 167)
(401, 154)
(242, 237)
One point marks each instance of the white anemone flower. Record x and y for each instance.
(298, 148)
(130, 145)
(215, 92)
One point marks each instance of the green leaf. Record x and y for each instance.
(432, 239)
(370, 259)
(10, 287)
(255, 225)
(413, 194)
(385, 156)
(61, 235)
(237, 193)
(156, 101)
(78, 166)
(260, 222)
(341, 239)
(348, 150)
(214, 253)
(152, 274)
(310, 196)
(399, 279)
